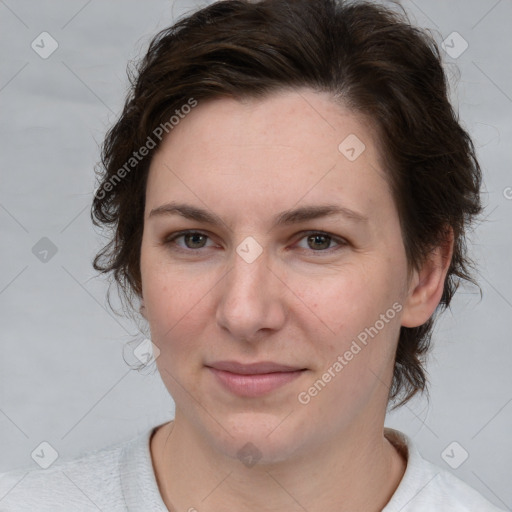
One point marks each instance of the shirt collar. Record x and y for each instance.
(138, 480)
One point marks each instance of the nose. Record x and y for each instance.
(252, 299)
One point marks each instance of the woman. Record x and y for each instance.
(289, 192)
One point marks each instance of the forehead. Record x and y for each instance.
(299, 119)
(287, 147)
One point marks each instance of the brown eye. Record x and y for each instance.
(192, 240)
(319, 242)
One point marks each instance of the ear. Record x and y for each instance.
(427, 284)
(142, 308)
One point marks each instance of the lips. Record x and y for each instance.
(253, 368)
(254, 379)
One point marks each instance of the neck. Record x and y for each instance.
(358, 470)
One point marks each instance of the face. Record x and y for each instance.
(268, 276)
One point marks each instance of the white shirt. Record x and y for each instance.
(120, 477)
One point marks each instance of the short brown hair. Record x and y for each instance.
(371, 59)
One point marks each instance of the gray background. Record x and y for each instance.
(63, 378)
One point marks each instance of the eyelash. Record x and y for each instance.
(170, 241)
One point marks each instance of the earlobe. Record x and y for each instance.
(427, 284)
(142, 309)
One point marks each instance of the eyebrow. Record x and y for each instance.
(285, 218)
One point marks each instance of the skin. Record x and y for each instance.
(300, 303)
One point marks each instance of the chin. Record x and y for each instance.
(260, 438)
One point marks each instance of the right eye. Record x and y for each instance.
(193, 240)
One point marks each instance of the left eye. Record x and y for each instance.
(322, 241)
(317, 241)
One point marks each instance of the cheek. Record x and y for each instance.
(176, 305)
(174, 310)
(344, 302)
(177, 316)
(358, 313)
(169, 290)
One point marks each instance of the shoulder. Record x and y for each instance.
(89, 482)
(426, 487)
